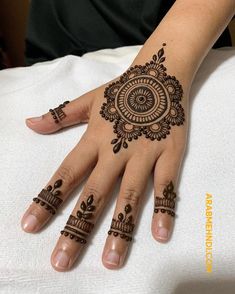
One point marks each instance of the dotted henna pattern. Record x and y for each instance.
(144, 101)
(48, 198)
(123, 226)
(58, 113)
(166, 204)
(79, 227)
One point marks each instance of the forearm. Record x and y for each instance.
(189, 29)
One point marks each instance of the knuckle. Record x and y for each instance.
(180, 148)
(131, 195)
(85, 138)
(88, 139)
(164, 182)
(93, 189)
(176, 146)
(67, 174)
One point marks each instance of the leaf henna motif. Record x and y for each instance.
(48, 198)
(166, 204)
(86, 208)
(123, 226)
(79, 227)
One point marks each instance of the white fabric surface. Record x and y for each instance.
(27, 160)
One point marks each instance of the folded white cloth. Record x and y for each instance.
(27, 161)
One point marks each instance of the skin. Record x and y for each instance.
(190, 28)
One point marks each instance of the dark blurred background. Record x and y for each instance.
(13, 23)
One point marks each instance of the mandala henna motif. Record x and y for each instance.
(58, 113)
(79, 227)
(144, 101)
(48, 198)
(123, 226)
(166, 204)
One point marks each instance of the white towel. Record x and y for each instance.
(27, 161)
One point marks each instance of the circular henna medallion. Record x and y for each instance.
(143, 100)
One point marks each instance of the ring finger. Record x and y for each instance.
(132, 188)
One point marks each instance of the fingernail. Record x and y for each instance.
(30, 223)
(61, 259)
(162, 233)
(112, 257)
(35, 119)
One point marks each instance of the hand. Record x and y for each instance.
(136, 124)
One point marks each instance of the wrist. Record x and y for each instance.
(166, 64)
(189, 29)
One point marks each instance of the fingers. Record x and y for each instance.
(63, 182)
(66, 114)
(85, 214)
(131, 193)
(165, 182)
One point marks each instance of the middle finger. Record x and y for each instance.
(133, 185)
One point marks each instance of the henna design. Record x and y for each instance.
(123, 226)
(166, 203)
(77, 227)
(58, 113)
(144, 101)
(48, 197)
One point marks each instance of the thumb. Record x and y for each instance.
(64, 115)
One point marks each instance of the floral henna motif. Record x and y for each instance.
(58, 113)
(144, 101)
(48, 198)
(123, 226)
(167, 202)
(79, 227)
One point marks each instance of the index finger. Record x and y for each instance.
(67, 177)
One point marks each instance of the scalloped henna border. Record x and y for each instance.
(130, 99)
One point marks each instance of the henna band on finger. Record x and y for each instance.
(58, 113)
(123, 226)
(79, 227)
(48, 198)
(166, 204)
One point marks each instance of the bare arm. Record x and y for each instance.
(190, 29)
